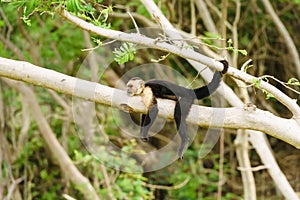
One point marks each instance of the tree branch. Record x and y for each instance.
(237, 118)
(183, 52)
(230, 97)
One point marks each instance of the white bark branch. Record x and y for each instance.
(287, 130)
(138, 39)
(234, 100)
(242, 153)
(206, 16)
(183, 52)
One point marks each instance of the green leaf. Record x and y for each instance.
(44, 174)
(229, 41)
(268, 95)
(248, 67)
(73, 6)
(257, 82)
(125, 53)
(243, 52)
(212, 35)
(293, 81)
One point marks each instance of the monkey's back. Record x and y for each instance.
(168, 90)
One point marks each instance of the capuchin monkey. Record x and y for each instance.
(184, 98)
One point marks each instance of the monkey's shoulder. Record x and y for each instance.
(147, 97)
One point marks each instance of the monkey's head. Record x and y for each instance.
(135, 86)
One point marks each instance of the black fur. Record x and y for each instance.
(184, 98)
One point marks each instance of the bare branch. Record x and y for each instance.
(206, 16)
(237, 118)
(183, 52)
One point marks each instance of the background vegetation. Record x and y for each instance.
(31, 31)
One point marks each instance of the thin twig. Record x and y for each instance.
(253, 169)
(193, 18)
(281, 82)
(134, 22)
(161, 58)
(199, 72)
(13, 187)
(245, 64)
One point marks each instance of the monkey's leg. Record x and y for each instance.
(147, 121)
(181, 111)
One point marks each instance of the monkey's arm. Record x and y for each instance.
(148, 119)
(181, 111)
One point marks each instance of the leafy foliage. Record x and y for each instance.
(236, 51)
(125, 53)
(74, 6)
(79, 8)
(257, 83)
(293, 81)
(58, 44)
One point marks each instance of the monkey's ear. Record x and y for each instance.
(142, 84)
(140, 87)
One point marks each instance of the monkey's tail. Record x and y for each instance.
(211, 87)
(225, 66)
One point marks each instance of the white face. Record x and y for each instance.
(135, 86)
